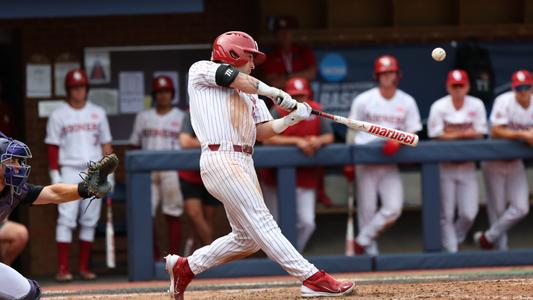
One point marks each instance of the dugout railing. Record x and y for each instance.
(139, 164)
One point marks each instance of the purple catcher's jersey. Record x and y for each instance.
(9, 200)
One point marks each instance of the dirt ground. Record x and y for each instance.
(515, 288)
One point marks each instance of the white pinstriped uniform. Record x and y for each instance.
(399, 112)
(153, 131)
(506, 181)
(458, 181)
(228, 117)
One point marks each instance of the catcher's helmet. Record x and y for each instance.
(298, 86)
(10, 149)
(163, 83)
(76, 77)
(386, 63)
(231, 47)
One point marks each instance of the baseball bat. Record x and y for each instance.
(402, 137)
(350, 237)
(110, 236)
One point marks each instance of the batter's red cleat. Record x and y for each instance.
(180, 275)
(482, 242)
(321, 284)
(358, 249)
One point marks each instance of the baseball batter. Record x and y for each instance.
(388, 106)
(457, 116)
(76, 132)
(506, 181)
(158, 129)
(14, 191)
(228, 117)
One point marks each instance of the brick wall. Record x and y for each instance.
(54, 36)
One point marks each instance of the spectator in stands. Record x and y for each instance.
(200, 206)
(457, 116)
(309, 135)
(506, 180)
(287, 59)
(158, 129)
(13, 239)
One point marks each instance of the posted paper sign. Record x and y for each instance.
(131, 89)
(98, 67)
(38, 80)
(105, 98)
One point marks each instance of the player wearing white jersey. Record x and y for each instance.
(158, 128)
(76, 132)
(228, 117)
(457, 116)
(506, 181)
(391, 107)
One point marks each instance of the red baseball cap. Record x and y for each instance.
(521, 77)
(298, 86)
(457, 77)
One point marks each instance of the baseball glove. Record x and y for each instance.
(95, 184)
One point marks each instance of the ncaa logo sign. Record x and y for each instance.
(333, 67)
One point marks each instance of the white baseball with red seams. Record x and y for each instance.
(506, 181)
(79, 133)
(400, 112)
(459, 186)
(228, 117)
(153, 131)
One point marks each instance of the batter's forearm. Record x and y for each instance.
(252, 85)
(503, 133)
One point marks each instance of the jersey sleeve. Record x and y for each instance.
(105, 132)
(412, 123)
(356, 111)
(53, 130)
(480, 123)
(202, 73)
(435, 121)
(135, 137)
(32, 194)
(261, 112)
(186, 127)
(498, 115)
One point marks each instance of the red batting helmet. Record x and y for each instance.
(521, 77)
(76, 77)
(231, 48)
(298, 86)
(457, 77)
(386, 63)
(163, 83)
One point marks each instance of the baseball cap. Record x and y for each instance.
(521, 80)
(284, 22)
(457, 77)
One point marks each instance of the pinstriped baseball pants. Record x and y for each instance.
(231, 178)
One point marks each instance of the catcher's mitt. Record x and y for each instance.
(95, 184)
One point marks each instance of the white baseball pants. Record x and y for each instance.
(231, 178)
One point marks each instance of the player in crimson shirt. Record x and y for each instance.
(287, 59)
(308, 135)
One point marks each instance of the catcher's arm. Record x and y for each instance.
(94, 184)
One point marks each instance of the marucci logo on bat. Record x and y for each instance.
(391, 134)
